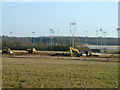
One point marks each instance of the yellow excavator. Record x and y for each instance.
(6, 50)
(31, 51)
(76, 52)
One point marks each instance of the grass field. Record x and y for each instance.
(58, 73)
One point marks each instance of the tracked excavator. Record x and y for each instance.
(6, 50)
(31, 51)
(77, 53)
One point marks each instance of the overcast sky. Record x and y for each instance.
(22, 18)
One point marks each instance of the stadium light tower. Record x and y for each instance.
(97, 37)
(11, 34)
(118, 29)
(33, 37)
(70, 34)
(53, 36)
(101, 35)
(72, 31)
(51, 39)
(86, 37)
(49, 36)
(50, 42)
(58, 36)
(11, 37)
(104, 33)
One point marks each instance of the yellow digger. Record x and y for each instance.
(76, 52)
(31, 51)
(6, 50)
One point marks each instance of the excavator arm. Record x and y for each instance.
(74, 52)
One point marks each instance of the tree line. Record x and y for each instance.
(46, 43)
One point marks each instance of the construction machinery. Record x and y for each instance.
(31, 51)
(76, 52)
(6, 50)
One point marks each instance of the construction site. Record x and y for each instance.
(52, 69)
(60, 45)
(56, 61)
(51, 64)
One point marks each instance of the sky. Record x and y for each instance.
(22, 18)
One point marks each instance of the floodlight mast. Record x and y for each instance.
(97, 36)
(11, 37)
(33, 38)
(105, 37)
(51, 39)
(58, 36)
(86, 37)
(11, 34)
(53, 36)
(49, 36)
(72, 32)
(118, 29)
(101, 36)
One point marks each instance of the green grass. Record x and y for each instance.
(58, 73)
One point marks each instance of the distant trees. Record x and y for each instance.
(43, 43)
(16, 43)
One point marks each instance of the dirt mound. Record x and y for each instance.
(61, 54)
(37, 54)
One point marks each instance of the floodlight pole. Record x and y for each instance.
(73, 24)
(104, 37)
(49, 36)
(58, 35)
(11, 37)
(73, 41)
(11, 34)
(51, 39)
(97, 36)
(33, 38)
(118, 29)
(101, 36)
(70, 34)
(86, 37)
(53, 36)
